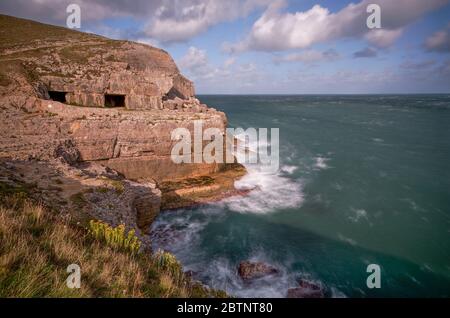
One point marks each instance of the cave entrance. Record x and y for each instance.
(114, 100)
(57, 96)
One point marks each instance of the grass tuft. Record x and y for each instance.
(115, 237)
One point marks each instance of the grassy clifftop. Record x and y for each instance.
(33, 49)
(36, 247)
(16, 31)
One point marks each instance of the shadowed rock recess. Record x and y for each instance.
(87, 122)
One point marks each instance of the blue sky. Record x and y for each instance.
(279, 47)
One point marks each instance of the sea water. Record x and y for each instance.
(362, 180)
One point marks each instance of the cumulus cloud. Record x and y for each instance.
(276, 30)
(231, 74)
(196, 64)
(367, 52)
(177, 21)
(193, 58)
(309, 56)
(164, 20)
(173, 21)
(383, 38)
(439, 41)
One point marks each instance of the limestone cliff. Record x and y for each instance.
(114, 103)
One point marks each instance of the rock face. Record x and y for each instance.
(252, 270)
(87, 99)
(146, 207)
(92, 71)
(136, 143)
(59, 85)
(67, 152)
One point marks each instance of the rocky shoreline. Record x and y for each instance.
(86, 130)
(86, 127)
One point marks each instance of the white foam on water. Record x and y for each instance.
(347, 240)
(289, 169)
(269, 191)
(179, 232)
(358, 214)
(321, 163)
(222, 274)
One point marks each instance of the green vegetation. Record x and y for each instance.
(36, 246)
(186, 183)
(118, 186)
(102, 189)
(115, 237)
(9, 192)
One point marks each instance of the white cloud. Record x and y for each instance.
(182, 20)
(230, 61)
(197, 66)
(383, 38)
(230, 75)
(194, 59)
(166, 21)
(439, 41)
(276, 30)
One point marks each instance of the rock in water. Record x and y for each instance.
(306, 289)
(252, 270)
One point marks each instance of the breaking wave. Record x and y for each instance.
(269, 191)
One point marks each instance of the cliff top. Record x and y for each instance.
(22, 38)
(84, 69)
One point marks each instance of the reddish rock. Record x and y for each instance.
(252, 270)
(60, 103)
(306, 289)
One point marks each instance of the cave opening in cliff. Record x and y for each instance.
(57, 96)
(114, 100)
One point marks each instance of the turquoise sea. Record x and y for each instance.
(362, 180)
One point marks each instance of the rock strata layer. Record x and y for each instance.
(86, 99)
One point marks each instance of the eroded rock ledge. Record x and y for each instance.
(97, 115)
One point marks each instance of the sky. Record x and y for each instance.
(278, 46)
